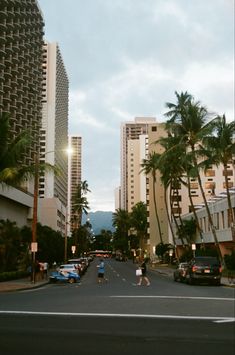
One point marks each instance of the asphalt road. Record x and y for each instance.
(118, 317)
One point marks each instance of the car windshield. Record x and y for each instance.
(207, 261)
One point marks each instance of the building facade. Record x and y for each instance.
(21, 36)
(74, 175)
(54, 134)
(130, 131)
(21, 74)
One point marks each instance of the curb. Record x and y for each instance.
(21, 288)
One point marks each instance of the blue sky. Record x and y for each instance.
(126, 58)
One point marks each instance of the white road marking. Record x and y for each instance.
(121, 315)
(228, 320)
(177, 297)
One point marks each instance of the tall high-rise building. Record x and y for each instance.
(21, 51)
(54, 133)
(21, 74)
(138, 139)
(130, 131)
(74, 175)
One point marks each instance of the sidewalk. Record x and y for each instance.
(168, 271)
(20, 284)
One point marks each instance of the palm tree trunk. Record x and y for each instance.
(194, 211)
(169, 221)
(155, 207)
(174, 218)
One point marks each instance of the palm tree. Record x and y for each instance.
(12, 152)
(139, 221)
(221, 148)
(150, 166)
(172, 172)
(80, 203)
(190, 122)
(121, 221)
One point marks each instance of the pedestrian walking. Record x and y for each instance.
(45, 270)
(143, 276)
(101, 270)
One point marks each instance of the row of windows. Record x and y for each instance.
(221, 220)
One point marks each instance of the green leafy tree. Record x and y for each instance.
(12, 151)
(10, 245)
(50, 245)
(122, 224)
(80, 206)
(103, 241)
(189, 120)
(139, 221)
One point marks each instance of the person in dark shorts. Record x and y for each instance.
(101, 270)
(144, 277)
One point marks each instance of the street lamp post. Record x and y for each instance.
(193, 249)
(34, 220)
(171, 254)
(34, 246)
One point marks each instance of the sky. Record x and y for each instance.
(126, 59)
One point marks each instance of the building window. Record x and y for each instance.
(154, 128)
(222, 216)
(210, 185)
(210, 172)
(194, 185)
(229, 173)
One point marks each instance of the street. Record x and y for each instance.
(118, 316)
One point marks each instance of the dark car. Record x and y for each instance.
(180, 272)
(204, 269)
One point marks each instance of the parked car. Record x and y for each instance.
(68, 268)
(57, 276)
(204, 269)
(80, 264)
(180, 272)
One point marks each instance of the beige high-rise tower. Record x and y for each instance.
(130, 146)
(74, 174)
(138, 139)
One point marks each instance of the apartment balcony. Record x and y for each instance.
(3, 13)
(7, 85)
(7, 73)
(2, 64)
(3, 23)
(8, 60)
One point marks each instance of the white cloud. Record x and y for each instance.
(126, 58)
(171, 10)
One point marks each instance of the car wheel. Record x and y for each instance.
(175, 278)
(191, 280)
(216, 282)
(71, 280)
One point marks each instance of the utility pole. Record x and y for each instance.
(35, 217)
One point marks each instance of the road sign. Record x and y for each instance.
(34, 247)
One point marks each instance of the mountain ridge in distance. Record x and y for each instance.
(99, 220)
